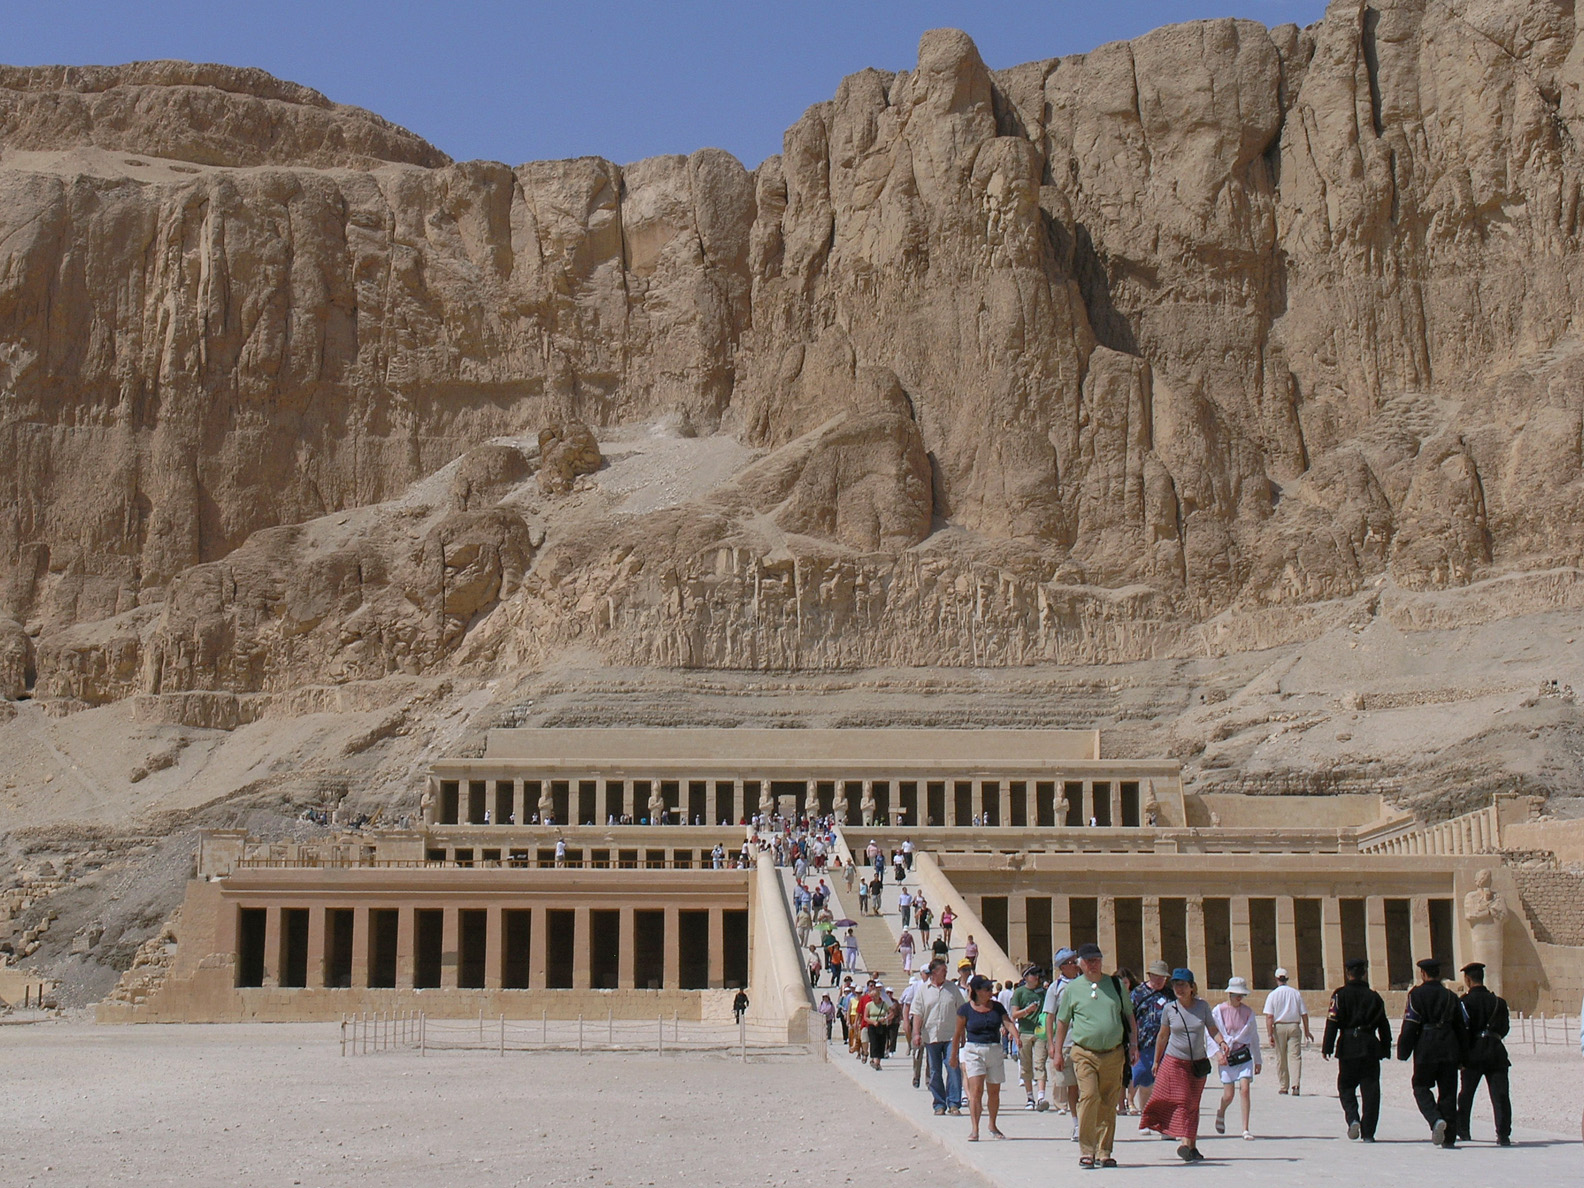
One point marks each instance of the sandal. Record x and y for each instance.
(1087, 1162)
(1108, 1162)
(1220, 1124)
(994, 1133)
(973, 1138)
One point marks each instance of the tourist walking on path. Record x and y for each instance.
(904, 906)
(827, 1010)
(1066, 1079)
(740, 1004)
(946, 920)
(876, 890)
(1098, 1014)
(1357, 1032)
(850, 942)
(1149, 999)
(976, 1051)
(1287, 1028)
(1240, 1052)
(904, 946)
(971, 950)
(1027, 1001)
(934, 1026)
(922, 917)
(1488, 1023)
(1433, 1033)
(877, 1017)
(1181, 1064)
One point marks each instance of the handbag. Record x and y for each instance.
(1237, 1056)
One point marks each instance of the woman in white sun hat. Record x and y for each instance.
(1239, 1057)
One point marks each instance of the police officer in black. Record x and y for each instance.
(1485, 1015)
(1433, 1033)
(1360, 1037)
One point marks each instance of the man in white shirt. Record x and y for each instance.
(1286, 1017)
(934, 1022)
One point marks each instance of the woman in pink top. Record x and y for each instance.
(946, 918)
(1239, 1057)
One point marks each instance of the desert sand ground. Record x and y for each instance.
(276, 1104)
(265, 1105)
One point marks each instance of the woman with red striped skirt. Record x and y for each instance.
(1182, 1061)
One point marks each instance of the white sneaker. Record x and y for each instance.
(1249, 1134)
(1075, 1132)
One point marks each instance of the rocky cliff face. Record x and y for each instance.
(1197, 342)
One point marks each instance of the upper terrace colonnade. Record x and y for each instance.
(1021, 778)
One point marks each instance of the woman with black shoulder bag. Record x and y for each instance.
(1182, 1062)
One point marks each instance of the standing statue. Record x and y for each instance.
(1063, 805)
(657, 808)
(426, 806)
(546, 803)
(1486, 913)
(868, 803)
(839, 803)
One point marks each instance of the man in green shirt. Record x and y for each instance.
(1099, 1014)
(1027, 1003)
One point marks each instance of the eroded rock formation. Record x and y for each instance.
(1063, 362)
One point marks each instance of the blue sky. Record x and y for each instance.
(529, 80)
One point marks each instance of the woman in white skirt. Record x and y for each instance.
(976, 1050)
(1239, 1057)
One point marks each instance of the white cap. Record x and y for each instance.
(1281, 975)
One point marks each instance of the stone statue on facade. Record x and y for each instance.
(1485, 910)
(1062, 806)
(426, 806)
(546, 802)
(868, 803)
(656, 805)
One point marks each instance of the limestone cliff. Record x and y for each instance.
(1187, 344)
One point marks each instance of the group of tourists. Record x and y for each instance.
(1099, 1045)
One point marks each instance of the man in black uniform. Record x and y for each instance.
(1360, 1037)
(1433, 1033)
(1485, 1015)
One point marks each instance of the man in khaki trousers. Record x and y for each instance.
(1287, 1028)
(1099, 1015)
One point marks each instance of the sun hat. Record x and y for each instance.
(1159, 969)
(965, 964)
(1184, 974)
(1237, 986)
(1063, 956)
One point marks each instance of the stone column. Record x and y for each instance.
(628, 941)
(1116, 803)
(404, 948)
(1194, 923)
(1004, 802)
(1106, 929)
(628, 793)
(1087, 800)
(976, 800)
(1375, 932)
(537, 928)
(272, 945)
(671, 978)
(1419, 928)
(1287, 939)
(1152, 930)
(1017, 928)
(1061, 924)
(582, 973)
(360, 946)
(448, 949)
(739, 803)
(1242, 938)
(314, 978)
(717, 948)
(494, 948)
(520, 801)
(1331, 942)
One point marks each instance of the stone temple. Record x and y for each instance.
(570, 872)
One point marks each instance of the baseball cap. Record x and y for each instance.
(1089, 951)
(1063, 956)
(965, 964)
(1281, 975)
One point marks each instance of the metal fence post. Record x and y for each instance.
(544, 1027)
(660, 1035)
(343, 1033)
(580, 1034)
(610, 1028)
(742, 1036)
(503, 1034)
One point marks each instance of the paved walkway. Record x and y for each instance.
(1301, 1142)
